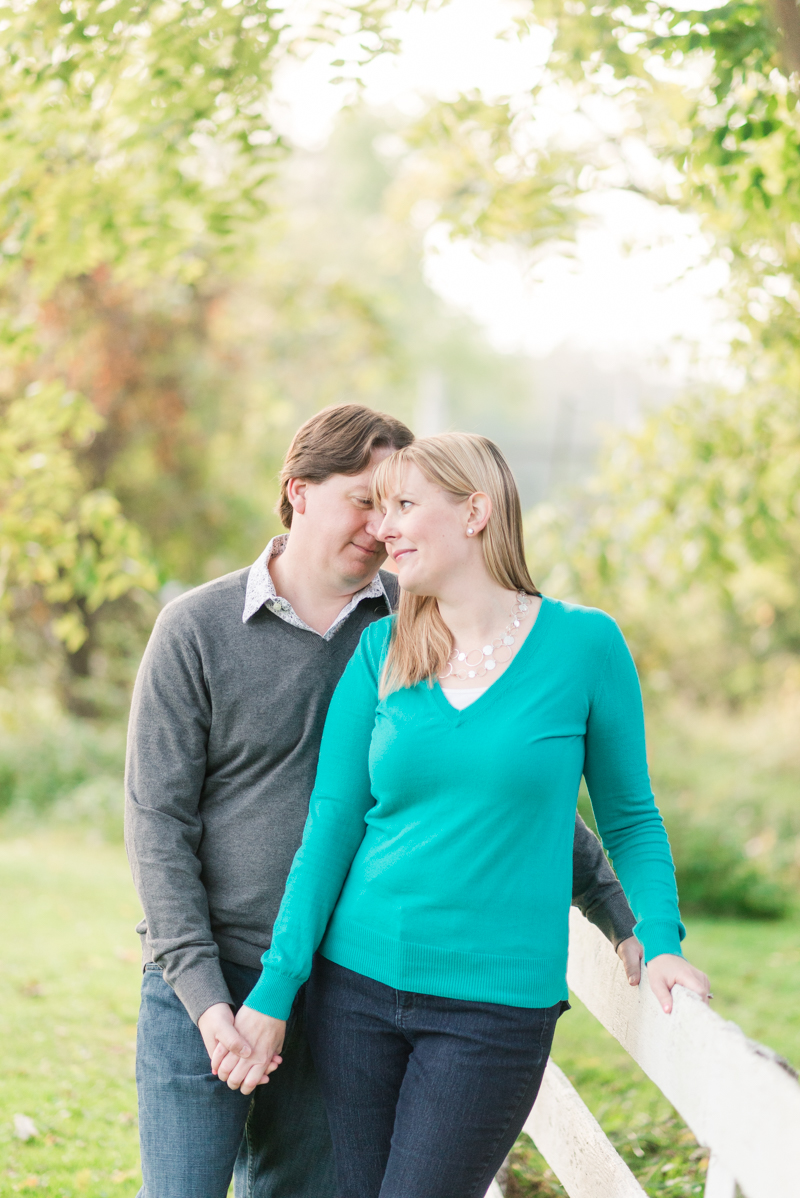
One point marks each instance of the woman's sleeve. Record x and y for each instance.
(334, 830)
(629, 822)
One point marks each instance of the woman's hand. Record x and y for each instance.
(265, 1037)
(668, 970)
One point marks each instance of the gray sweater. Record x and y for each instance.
(223, 742)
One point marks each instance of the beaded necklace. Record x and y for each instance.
(477, 663)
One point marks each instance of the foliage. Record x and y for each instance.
(690, 533)
(716, 94)
(140, 157)
(691, 530)
(488, 183)
(715, 878)
(137, 135)
(72, 547)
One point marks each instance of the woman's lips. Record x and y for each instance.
(402, 553)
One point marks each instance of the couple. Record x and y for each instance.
(440, 846)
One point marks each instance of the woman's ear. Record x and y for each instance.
(296, 493)
(478, 512)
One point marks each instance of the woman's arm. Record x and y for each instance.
(631, 828)
(334, 830)
(629, 822)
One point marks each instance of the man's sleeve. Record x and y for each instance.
(164, 775)
(595, 890)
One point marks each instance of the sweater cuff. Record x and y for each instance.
(660, 936)
(273, 994)
(613, 916)
(200, 987)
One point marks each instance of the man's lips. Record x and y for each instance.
(368, 552)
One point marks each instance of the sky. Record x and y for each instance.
(639, 287)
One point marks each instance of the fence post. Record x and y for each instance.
(719, 1183)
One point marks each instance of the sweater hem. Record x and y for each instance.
(446, 973)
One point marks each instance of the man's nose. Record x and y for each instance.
(373, 524)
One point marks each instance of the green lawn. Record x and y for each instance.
(69, 994)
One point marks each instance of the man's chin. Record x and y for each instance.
(358, 571)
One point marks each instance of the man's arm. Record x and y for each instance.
(164, 776)
(596, 891)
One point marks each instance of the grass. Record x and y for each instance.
(69, 995)
(69, 999)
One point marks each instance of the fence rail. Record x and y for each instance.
(740, 1099)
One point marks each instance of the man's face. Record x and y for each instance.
(339, 525)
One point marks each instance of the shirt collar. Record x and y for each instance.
(261, 593)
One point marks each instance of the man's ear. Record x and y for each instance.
(296, 490)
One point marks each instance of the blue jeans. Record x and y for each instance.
(425, 1095)
(195, 1133)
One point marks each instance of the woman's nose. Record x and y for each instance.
(383, 530)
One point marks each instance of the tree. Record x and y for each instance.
(137, 157)
(695, 517)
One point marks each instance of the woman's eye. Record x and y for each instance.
(405, 504)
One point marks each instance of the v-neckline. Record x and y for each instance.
(528, 646)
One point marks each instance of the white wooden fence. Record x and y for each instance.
(741, 1100)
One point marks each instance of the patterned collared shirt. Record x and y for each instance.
(261, 593)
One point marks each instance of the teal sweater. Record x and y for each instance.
(437, 855)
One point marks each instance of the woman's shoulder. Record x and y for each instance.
(374, 643)
(587, 624)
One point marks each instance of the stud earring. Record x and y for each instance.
(470, 532)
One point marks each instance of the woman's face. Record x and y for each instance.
(425, 532)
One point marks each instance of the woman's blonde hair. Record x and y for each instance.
(461, 464)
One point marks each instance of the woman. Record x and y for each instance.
(435, 870)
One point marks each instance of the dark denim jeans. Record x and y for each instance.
(195, 1132)
(425, 1095)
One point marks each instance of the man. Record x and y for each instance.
(225, 727)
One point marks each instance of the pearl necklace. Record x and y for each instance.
(477, 663)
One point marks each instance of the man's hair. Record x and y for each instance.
(338, 440)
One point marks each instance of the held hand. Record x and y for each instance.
(216, 1026)
(265, 1035)
(668, 970)
(630, 953)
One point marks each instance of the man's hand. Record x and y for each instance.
(264, 1038)
(630, 953)
(668, 970)
(216, 1026)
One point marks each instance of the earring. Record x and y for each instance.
(470, 532)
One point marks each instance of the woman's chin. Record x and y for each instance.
(412, 585)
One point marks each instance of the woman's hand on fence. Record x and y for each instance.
(668, 970)
(630, 953)
(265, 1036)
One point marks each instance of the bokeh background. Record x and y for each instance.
(574, 228)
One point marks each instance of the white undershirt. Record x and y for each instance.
(462, 698)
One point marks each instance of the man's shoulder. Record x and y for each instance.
(391, 586)
(205, 606)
